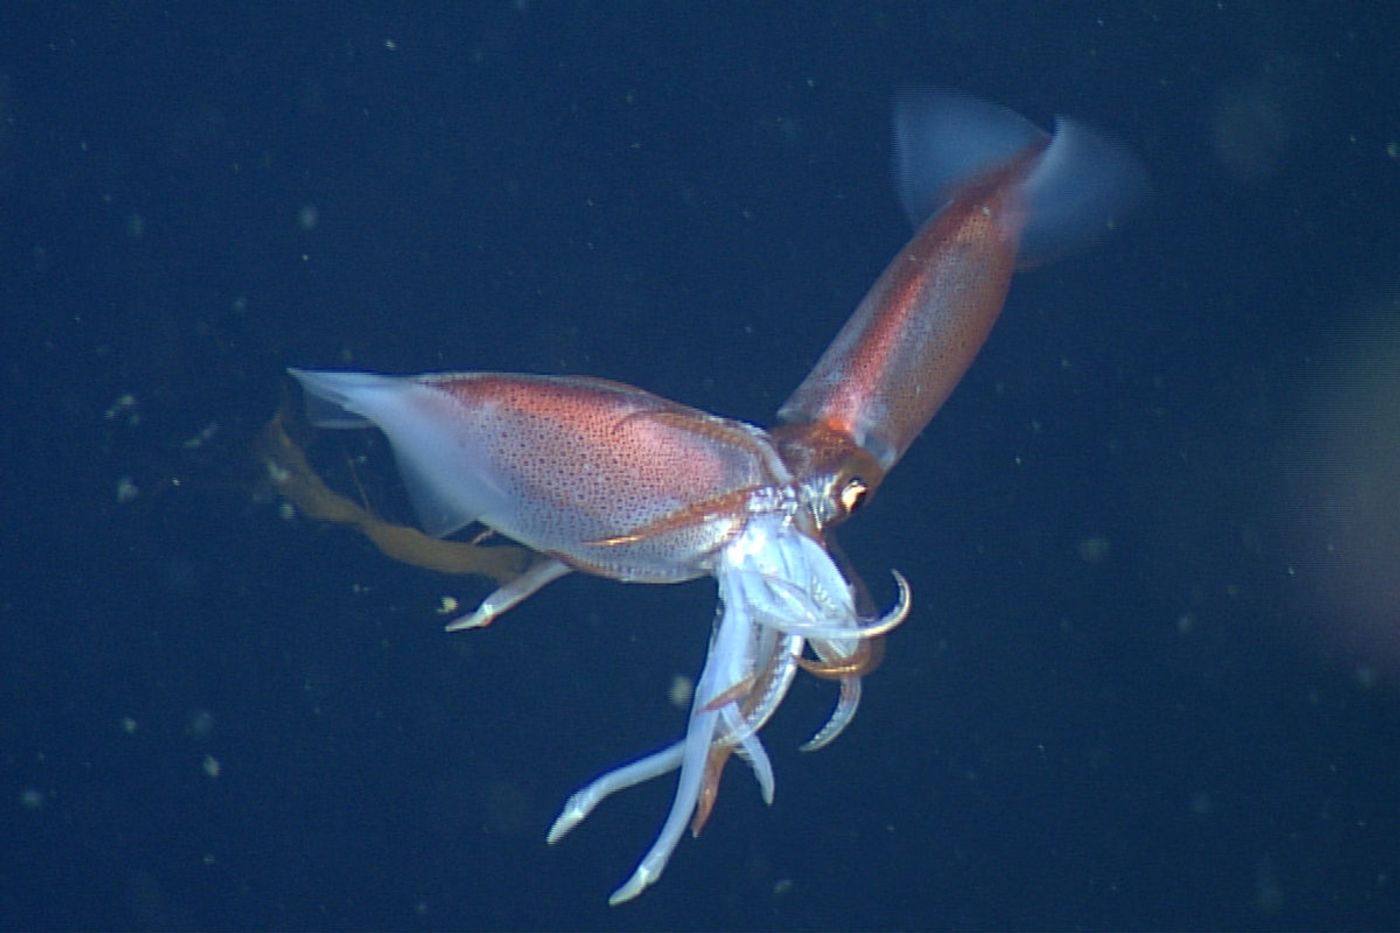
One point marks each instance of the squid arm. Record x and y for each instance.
(292, 476)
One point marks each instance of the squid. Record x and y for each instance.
(610, 480)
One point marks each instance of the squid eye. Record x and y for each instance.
(853, 494)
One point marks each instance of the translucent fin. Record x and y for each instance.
(448, 483)
(441, 509)
(942, 139)
(325, 401)
(1082, 185)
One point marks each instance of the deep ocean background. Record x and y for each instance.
(1153, 675)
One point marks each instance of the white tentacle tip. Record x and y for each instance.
(482, 617)
(641, 879)
(896, 616)
(565, 822)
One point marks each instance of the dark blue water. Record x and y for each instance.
(1151, 680)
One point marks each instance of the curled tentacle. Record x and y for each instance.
(836, 666)
(822, 627)
(840, 718)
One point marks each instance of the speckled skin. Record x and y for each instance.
(563, 463)
(917, 331)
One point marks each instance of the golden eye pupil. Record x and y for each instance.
(853, 494)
